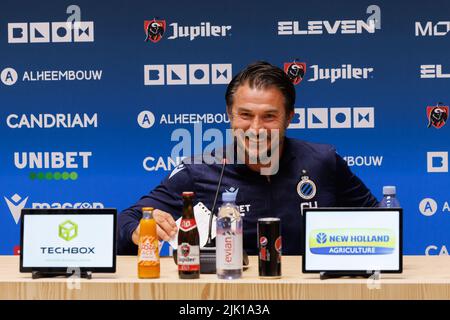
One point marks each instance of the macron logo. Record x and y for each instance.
(15, 205)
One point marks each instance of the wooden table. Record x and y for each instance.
(423, 278)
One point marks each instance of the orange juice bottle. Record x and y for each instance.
(148, 254)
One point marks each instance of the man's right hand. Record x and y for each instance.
(166, 226)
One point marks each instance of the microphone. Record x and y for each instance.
(208, 252)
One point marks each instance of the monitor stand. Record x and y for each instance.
(42, 274)
(364, 274)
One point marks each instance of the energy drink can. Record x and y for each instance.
(269, 247)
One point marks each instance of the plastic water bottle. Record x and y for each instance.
(229, 239)
(389, 198)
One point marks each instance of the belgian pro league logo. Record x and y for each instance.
(295, 71)
(437, 115)
(154, 30)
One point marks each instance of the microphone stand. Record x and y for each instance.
(208, 252)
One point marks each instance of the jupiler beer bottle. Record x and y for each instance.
(188, 253)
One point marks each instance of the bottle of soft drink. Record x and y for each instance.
(229, 239)
(148, 253)
(188, 253)
(389, 198)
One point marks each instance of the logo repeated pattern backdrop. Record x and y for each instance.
(91, 92)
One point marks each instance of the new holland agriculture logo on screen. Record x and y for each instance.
(352, 241)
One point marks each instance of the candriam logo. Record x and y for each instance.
(50, 121)
(151, 164)
(52, 160)
(9, 76)
(16, 203)
(68, 230)
(352, 241)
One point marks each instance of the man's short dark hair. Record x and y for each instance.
(262, 75)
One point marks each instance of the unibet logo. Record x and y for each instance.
(52, 160)
(68, 230)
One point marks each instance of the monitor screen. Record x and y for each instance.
(58, 239)
(339, 239)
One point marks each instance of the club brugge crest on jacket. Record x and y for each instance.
(306, 188)
(154, 30)
(295, 71)
(437, 116)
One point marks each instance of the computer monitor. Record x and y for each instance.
(352, 240)
(53, 240)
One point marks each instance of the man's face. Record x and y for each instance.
(256, 112)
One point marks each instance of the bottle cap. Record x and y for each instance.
(389, 190)
(188, 194)
(228, 197)
(147, 209)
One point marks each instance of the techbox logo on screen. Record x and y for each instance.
(67, 230)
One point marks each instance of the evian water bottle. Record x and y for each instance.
(229, 239)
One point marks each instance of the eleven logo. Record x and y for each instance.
(68, 230)
(433, 71)
(187, 74)
(335, 118)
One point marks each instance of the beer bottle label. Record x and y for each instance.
(188, 257)
(188, 225)
(148, 247)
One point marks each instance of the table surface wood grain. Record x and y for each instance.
(424, 277)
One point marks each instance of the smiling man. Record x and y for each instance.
(275, 176)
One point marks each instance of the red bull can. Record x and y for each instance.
(269, 247)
